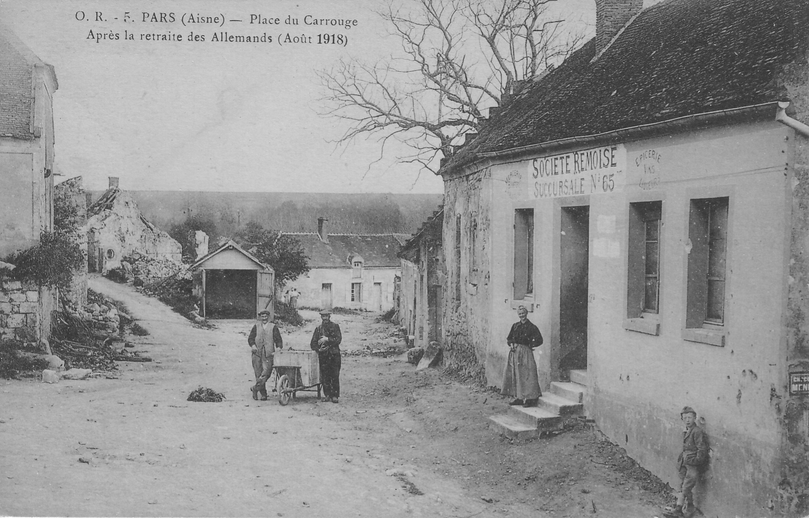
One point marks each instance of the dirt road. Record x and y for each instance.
(400, 443)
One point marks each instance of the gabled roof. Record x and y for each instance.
(677, 58)
(378, 250)
(229, 245)
(17, 65)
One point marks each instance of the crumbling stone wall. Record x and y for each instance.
(25, 311)
(794, 486)
(466, 298)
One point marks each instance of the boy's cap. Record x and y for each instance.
(687, 410)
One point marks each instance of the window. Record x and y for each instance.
(356, 292)
(708, 236)
(472, 240)
(643, 276)
(523, 253)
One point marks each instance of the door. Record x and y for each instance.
(326, 295)
(574, 265)
(434, 314)
(265, 289)
(377, 297)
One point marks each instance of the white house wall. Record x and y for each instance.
(310, 287)
(639, 381)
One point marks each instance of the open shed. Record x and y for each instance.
(232, 283)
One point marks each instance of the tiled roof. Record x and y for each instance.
(376, 250)
(432, 227)
(677, 58)
(17, 64)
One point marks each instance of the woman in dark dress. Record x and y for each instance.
(521, 380)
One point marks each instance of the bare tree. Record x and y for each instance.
(458, 58)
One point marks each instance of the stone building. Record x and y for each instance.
(27, 86)
(116, 229)
(354, 271)
(647, 201)
(422, 286)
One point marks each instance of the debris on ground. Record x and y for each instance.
(414, 355)
(431, 358)
(206, 395)
(370, 351)
(76, 374)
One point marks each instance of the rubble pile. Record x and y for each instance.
(89, 337)
(370, 351)
(98, 357)
(206, 395)
(143, 270)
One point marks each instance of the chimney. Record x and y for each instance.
(321, 230)
(113, 182)
(611, 17)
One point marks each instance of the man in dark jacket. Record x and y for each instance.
(691, 461)
(326, 341)
(264, 339)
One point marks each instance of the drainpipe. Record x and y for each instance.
(782, 117)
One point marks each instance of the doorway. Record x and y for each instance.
(573, 289)
(230, 294)
(326, 295)
(376, 305)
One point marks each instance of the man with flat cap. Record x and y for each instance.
(326, 341)
(264, 339)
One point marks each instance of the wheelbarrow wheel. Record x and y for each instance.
(284, 391)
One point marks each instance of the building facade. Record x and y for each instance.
(421, 291)
(353, 271)
(27, 86)
(646, 201)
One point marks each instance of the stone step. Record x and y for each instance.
(509, 426)
(559, 405)
(579, 376)
(572, 391)
(536, 417)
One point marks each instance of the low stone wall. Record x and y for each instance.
(24, 311)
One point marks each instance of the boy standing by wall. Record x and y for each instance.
(691, 461)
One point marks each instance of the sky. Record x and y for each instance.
(210, 116)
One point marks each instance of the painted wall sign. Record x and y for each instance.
(649, 161)
(798, 383)
(579, 173)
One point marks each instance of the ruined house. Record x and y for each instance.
(421, 289)
(116, 229)
(355, 271)
(27, 86)
(646, 200)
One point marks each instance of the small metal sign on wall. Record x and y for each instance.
(798, 383)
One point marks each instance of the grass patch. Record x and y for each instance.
(139, 330)
(287, 314)
(15, 363)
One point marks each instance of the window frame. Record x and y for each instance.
(696, 327)
(528, 261)
(639, 212)
(356, 294)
